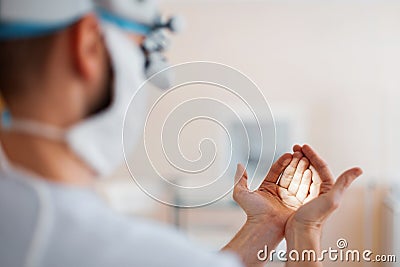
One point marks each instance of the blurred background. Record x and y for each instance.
(330, 72)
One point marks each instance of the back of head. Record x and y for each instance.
(20, 59)
(28, 31)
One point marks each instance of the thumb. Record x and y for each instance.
(241, 178)
(344, 181)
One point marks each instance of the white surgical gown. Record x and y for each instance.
(45, 224)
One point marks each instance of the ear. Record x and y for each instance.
(88, 48)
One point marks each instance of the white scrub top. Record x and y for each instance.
(51, 225)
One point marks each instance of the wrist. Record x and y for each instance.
(267, 222)
(294, 226)
(266, 227)
(306, 232)
(303, 236)
(255, 235)
(300, 228)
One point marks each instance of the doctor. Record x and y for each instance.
(67, 69)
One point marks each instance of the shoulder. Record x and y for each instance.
(20, 208)
(88, 233)
(67, 227)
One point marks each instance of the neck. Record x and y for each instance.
(49, 159)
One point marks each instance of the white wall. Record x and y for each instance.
(339, 59)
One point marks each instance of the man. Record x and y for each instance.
(64, 80)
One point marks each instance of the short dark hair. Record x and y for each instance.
(19, 58)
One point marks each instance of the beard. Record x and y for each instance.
(106, 98)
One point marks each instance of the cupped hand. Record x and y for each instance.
(273, 203)
(297, 181)
(313, 214)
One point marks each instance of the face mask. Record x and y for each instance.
(97, 140)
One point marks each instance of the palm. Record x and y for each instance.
(265, 201)
(314, 211)
(272, 199)
(325, 191)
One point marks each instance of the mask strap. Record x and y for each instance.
(31, 127)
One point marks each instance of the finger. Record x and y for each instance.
(344, 181)
(278, 167)
(304, 187)
(288, 173)
(295, 183)
(321, 167)
(241, 178)
(314, 192)
(315, 175)
(315, 185)
(287, 198)
(297, 148)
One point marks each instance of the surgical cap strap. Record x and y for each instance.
(15, 30)
(125, 24)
